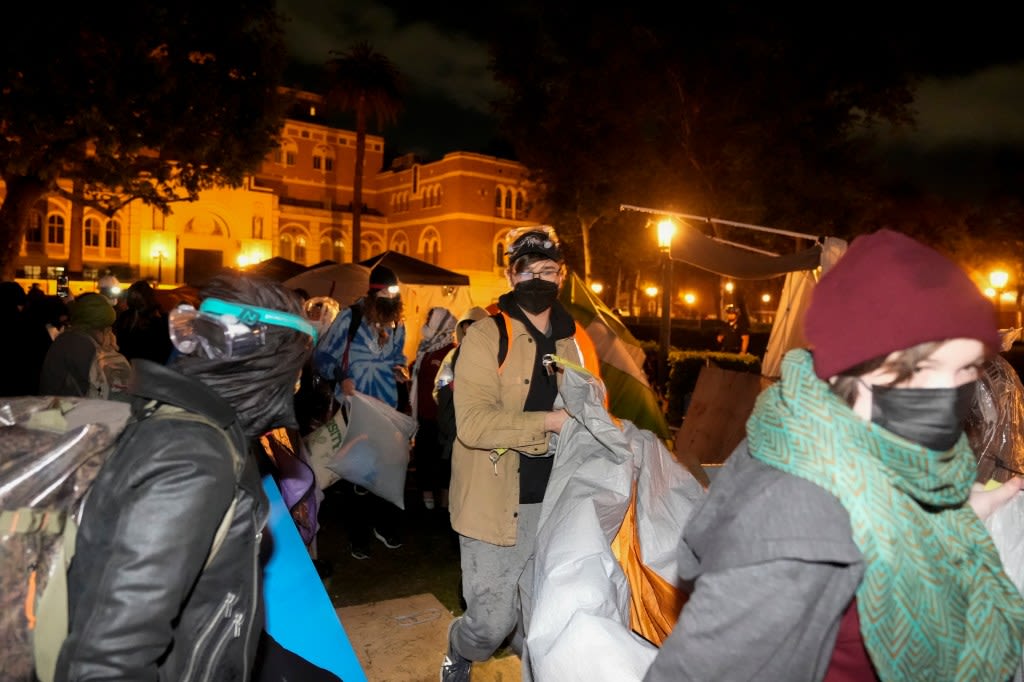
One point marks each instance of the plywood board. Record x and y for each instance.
(715, 420)
(404, 640)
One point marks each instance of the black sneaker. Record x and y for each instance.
(391, 542)
(454, 668)
(359, 552)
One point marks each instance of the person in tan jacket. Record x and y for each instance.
(501, 460)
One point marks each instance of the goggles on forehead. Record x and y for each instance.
(228, 330)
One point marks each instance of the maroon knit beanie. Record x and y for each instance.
(888, 292)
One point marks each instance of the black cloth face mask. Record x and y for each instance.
(932, 417)
(535, 295)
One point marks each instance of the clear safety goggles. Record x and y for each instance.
(228, 330)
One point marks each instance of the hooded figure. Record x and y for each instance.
(154, 509)
(69, 359)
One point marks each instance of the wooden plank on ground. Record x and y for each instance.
(715, 421)
(404, 640)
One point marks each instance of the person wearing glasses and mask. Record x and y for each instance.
(501, 460)
(843, 539)
(144, 604)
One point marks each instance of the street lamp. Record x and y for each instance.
(159, 255)
(998, 280)
(666, 230)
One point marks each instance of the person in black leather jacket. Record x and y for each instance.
(144, 605)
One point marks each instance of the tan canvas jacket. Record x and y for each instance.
(484, 492)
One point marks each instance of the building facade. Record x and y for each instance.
(454, 212)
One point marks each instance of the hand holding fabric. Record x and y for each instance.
(986, 500)
(348, 386)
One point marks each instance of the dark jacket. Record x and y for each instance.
(142, 605)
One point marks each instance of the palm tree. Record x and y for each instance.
(367, 83)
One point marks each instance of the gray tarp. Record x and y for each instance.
(692, 246)
(578, 616)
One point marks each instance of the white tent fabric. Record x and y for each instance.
(347, 282)
(578, 616)
(787, 331)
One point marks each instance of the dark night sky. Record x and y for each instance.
(447, 108)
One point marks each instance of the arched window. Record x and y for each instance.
(499, 254)
(332, 247)
(430, 245)
(400, 243)
(520, 200)
(286, 153)
(498, 199)
(55, 229)
(371, 246)
(291, 244)
(112, 237)
(91, 233)
(323, 159)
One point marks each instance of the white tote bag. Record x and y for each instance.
(373, 450)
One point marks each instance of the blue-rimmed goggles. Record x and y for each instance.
(228, 330)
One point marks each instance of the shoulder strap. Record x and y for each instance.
(171, 412)
(353, 329)
(504, 323)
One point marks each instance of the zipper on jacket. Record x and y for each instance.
(254, 597)
(222, 612)
(218, 650)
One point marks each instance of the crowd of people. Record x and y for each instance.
(842, 540)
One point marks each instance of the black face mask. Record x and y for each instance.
(932, 417)
(535, 295)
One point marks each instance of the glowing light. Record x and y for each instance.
(666, 230)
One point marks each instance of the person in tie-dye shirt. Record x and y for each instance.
(373, 363)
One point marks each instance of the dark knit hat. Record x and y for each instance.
(889, 292)
(92, 311)
(384, 282)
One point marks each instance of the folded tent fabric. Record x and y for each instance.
(630, 396)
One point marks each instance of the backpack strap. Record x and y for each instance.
(238, 464)
(504, 323)
(353, 329)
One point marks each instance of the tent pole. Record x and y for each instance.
(686, 216)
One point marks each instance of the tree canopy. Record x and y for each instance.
(745, 111)
(127, 101)
(365, 82)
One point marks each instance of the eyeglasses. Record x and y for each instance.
(549, 273)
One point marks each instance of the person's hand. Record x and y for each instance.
(348, 386)
(401, 373)
(553, 421)
(987, 502)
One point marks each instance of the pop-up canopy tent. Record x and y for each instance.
(424, 286)
(730, 259)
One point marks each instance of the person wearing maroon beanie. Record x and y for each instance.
(843, 539)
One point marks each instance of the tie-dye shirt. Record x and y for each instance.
(371, 364)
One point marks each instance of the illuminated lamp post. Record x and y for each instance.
(159, 256)
(998, 280)
(666, 230)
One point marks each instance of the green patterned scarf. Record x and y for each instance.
(935, 603)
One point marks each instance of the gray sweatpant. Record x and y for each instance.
(496, 583)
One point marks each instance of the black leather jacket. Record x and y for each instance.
(142, 605)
